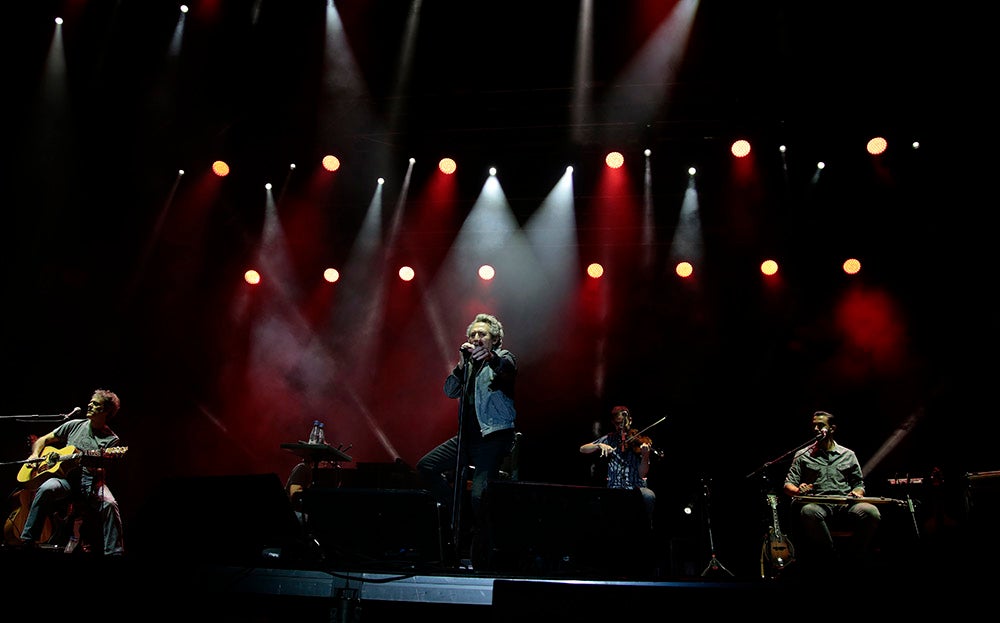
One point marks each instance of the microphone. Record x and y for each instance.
(821, 435)
(72, 413)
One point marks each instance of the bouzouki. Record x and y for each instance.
(777, 552)
(59, 462)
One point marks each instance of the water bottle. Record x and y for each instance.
(316, 434)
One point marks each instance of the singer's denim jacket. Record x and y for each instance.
(494, 391)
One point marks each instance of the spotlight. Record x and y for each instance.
(877, 146)
(447, 166)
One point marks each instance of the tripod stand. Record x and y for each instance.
(714, 566)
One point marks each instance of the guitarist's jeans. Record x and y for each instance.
(99, 504)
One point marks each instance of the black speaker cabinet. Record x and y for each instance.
(567, 530)
(238, 520)
(374, 528)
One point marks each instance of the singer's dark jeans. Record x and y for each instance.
(486, 454)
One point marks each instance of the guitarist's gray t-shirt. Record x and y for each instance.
(78, 433)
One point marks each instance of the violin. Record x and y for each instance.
(634, 440)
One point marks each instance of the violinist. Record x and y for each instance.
(628, 455)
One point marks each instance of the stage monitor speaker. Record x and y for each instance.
(568, 530)
(238, 520)
(375, 528)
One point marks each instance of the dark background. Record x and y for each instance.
(115, 280)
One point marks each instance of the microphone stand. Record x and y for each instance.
(764, 467)
(459, 485)
(37, 416)
(714, 565)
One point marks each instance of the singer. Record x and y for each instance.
(483, 382)
(83, 486)
(827, 468)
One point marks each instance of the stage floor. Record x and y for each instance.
(198, 590)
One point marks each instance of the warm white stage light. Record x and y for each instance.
(740, 148)
(684, 269)
(252, 277)
(406, 273)
(331, 275)
(877, 145)
(769, 267)
(852, 266)
(614, 160)
(447, 166)
(487, 272)
(595, 270)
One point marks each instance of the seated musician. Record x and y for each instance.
(304, 475)
(826, 468)
(85, 484)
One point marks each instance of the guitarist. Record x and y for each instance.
(828, 468)
(84, 486)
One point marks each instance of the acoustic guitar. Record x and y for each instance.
(59, 462)
(777, 552)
